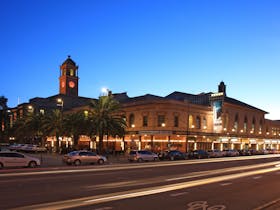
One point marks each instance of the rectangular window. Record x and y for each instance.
(161, 120)
(145, 121)
(176, 121)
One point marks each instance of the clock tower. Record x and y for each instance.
(68, 80)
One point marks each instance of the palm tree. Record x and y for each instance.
(34, 124)
(53, 125)
(75, 125)
(105, 119)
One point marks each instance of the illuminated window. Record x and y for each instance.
(42, 111)
(71, 72)
(191, 121)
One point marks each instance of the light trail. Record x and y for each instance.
(137, 166)
(178, 177)
(91, 200)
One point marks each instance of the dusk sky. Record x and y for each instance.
(143, 46)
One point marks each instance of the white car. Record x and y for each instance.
(16, 159)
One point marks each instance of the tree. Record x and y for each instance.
(106, 119)
(53, 125)
(75, 125)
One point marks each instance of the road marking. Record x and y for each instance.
(104, 208)
(161, 179)
(262, 207)
(257, 177)
(178, 194)
(226, 183)
(204, 206)
(91, 200)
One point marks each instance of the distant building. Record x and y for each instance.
(177, 121)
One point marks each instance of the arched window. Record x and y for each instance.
(198, 122)
(225, 122)
(245, 124)
(131, 120)
(204, 123)
(260, 127)
(253, 125)
(235, 122)
(191, 125)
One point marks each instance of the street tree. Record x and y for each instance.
(106, 119)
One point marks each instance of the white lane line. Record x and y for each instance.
(178, 194)
(226, 183)
(104, 208)
(266, 205)
(257, 177)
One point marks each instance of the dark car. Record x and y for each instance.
(174, 155)
(199, 154)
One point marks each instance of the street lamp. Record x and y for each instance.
(60, 103)
(105, 91)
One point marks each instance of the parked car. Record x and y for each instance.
(244, 152)
(142, 155)
(16, 147)
(198, 154)
(231, 153)
(174, 155)
(33, 148)
(83, 157)
(215, 153)
(16, 159)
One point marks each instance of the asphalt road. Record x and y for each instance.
(225, 183)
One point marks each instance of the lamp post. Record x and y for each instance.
(60, 103)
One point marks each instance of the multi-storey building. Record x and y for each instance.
(179, 120)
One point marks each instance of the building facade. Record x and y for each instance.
(177, 121)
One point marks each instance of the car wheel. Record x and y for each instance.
(32, 164)
(1, 165)
(100, 161)
(140, 160)
(77, 162)
(155, 159)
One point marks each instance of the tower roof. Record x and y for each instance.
(69, 61)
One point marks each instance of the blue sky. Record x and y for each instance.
(143, 46)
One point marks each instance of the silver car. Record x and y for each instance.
(16, 159)
(142, 155)
(83, 157)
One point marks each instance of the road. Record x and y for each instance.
(224, 183)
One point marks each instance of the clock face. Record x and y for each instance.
(63, 84)
(71, 84)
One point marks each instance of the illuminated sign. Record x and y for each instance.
(217, 115)
(217, 94)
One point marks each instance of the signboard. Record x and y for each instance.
(217, 116)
